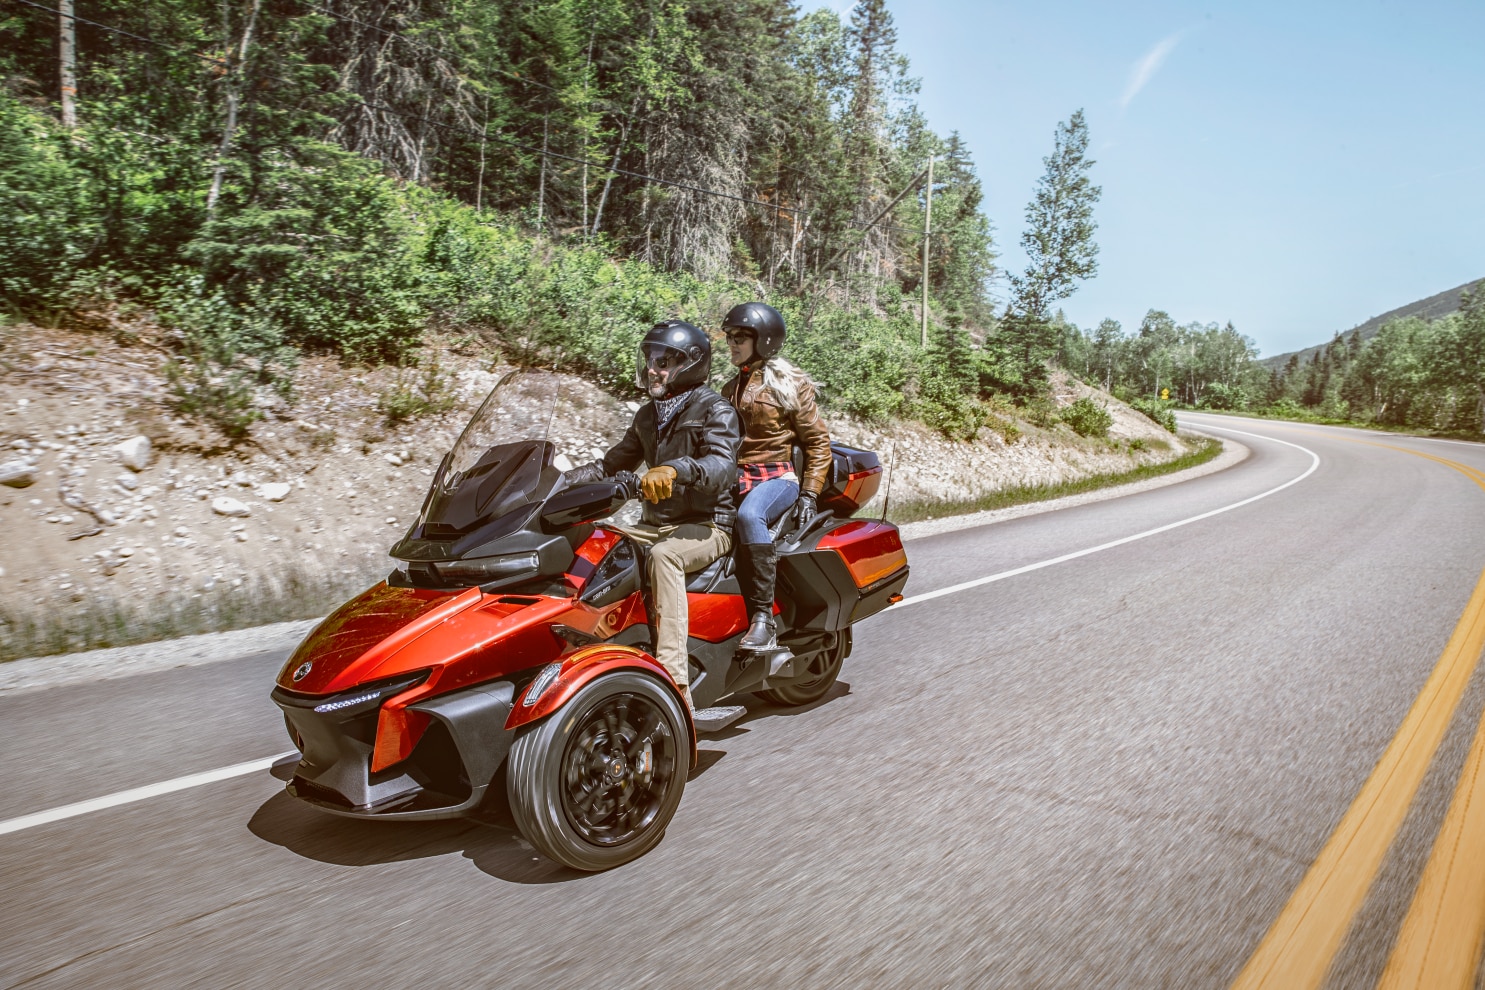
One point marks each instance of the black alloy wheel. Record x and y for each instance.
(594, 784)
(821, 670)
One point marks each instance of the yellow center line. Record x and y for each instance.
(1440, 940)
(1301, 944)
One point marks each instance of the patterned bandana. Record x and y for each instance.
(665, 409)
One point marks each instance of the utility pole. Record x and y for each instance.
(67, 37)
(927, 228)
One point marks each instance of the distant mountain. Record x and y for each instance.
(1432, 308)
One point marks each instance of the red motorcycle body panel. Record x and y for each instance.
(717, 617)
(352, 642)
(872, 550)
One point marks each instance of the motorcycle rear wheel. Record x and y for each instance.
(594, 784)
(818, 679)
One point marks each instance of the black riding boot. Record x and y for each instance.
(756, 572)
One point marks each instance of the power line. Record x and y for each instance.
(602, 168)
(423, 45)
(618, 171)
(128, 34)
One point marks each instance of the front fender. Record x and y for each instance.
(582, 666)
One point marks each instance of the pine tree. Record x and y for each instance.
(1059, 246)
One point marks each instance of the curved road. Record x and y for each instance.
(1209, 735)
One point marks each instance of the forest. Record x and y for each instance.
(1414, 373)
(544, 179)
(548, 178)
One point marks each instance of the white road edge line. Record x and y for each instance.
(241, 769)
(138, 794)
(977, 582)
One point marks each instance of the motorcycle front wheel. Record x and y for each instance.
(594, 784)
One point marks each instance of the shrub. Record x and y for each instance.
(223, 354)
(46, 226)
(1039, 410)
(1221, 395)
(862, 360)
(328, 258)
(1088, 418)
(1159, 411)
(1007, 428)
(428, 389)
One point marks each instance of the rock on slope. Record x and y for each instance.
(109, 500)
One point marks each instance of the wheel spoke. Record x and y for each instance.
(589, 796)
(611, 720)
(645, 733)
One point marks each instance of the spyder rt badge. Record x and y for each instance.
(303, 671)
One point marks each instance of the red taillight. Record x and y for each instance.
(871, 550)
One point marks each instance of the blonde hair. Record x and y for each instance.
(783, 378)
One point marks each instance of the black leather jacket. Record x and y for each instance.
(700, 441)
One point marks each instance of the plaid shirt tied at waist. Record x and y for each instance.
(750, 476)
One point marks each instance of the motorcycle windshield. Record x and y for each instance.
(501, 463)
(510, 456)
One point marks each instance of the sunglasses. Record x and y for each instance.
(738, 336)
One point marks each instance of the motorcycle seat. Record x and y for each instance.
(709, 579)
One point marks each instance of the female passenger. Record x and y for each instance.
(776, 403)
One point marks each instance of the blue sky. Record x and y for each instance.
(1295, 168)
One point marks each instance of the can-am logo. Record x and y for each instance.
(303, 671)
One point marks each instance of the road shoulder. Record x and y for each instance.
(40, 673)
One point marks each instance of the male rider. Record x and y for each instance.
(688, 435)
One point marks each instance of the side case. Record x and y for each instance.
(840, 576)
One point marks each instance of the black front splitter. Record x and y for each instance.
(462, 751)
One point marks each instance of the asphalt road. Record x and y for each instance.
(1114, 770)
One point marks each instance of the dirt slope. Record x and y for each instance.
(281, 524)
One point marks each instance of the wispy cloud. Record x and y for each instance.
(1144, 70)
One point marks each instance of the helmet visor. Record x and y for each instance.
(660, 365)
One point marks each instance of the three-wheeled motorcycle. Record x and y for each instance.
(513, 632)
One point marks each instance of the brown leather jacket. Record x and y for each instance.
(770, 432)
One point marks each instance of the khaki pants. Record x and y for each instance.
(676, 551)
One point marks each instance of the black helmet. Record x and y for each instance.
(679, 353)
(766, 323)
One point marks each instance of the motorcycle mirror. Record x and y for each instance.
(582, 503)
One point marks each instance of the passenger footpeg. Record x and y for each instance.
(717, 718)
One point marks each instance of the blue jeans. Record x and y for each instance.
(763, 506)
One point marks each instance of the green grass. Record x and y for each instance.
(905, 512)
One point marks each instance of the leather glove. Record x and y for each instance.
(657, 483)
(803, 511)
(584, 474)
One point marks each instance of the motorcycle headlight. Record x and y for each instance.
(484, 570)
(369, 693)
